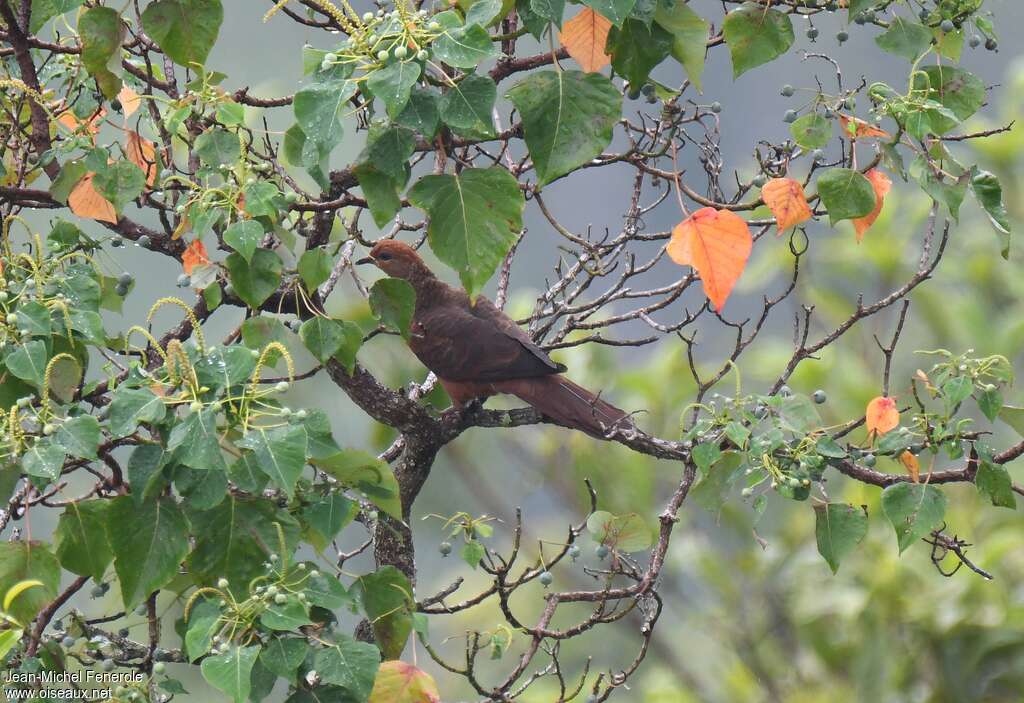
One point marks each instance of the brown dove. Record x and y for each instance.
(477, 351)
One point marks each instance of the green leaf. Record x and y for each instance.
(195, 442)
(263, 199)
(311, 155)
(855, 7)
(28, 362)
(914, 509)
(568, 118)
(202, 489)
(225, 367)
(81, 539)
(314, 268)
(280, 453)
(388, 149)
(422, 113)
(689, 36)
(755, 36)
(472, 552)
(256, 279)
(846, 194)
(989, 193)
(950, 193)
(149, 542)
(839, 528)
(798, 414)
(393, 302)
(218, 146)
(120, 183)
(203, 623)
(322, 336)
(705, 455)
(319, 110)
(25, 561)
(905, 38)
(70, 174)
(993, 480)
(235, 538)
(282, 655)
(45, 10)
(185, 30)
(393, 83)
(811, 131)
(636, 48)
(380, 191)
(623, 533)
(325, 517)
(386, 599)
(460, 46)
(990, 402)
(349, 664)
(475, 218)
(960, 91)
(79, 436)
(468, 104)
(44, 459)
(290, 615)
(231, 672)
(365, 472)
(100, 31)
(956, 390)
(615, 11)
(551, 10)
(145, 471)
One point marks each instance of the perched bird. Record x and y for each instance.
(477, 351)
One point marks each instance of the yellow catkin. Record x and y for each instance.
(188, 313)
(49, 373)
(280, 348)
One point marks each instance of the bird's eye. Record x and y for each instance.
(384, 257)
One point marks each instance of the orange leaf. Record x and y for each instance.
(195, 254)
(881, 183)
(72, 123)
(130, 101)
(717, 243)
(85, 201)
(584, 37)
(785, 197)
(860, 128)
(142, 153)
(912, 465)
(881, 415)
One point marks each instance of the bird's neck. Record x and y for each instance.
(429, 288)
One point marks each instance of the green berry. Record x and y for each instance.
(869, 460)
(12, 318)
(434, 26)
(184, 281)
(68, 642)
(820, 397)
(546, 578)
(382, 55)
(195, 406)
(445, 548)
(842, 36)
(787, 91)
(159, 668)
(401, 52)
(281, 387)
(601, 551)
(49, 429)
(108, 665)
(125, 278)
(991, 44)
(367, 17)
(850, 103)
(422, 55)
(974, 41)
(785, 391)
(947, 26)
(143, 241)
(574, 552)
(291, 198)
(790, 116)
(716, 107)
(818, 155)
(812, 33)
(96, 592)
(222, 583)
(280, 599)
(760, 179)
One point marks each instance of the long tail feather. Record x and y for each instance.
(568, 404)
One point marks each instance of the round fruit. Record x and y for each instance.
(401, 52)
(184, 280)
(125, 278)
(818, 155)
(280, 599)
(108, 665)
(790, 116)
(159, 668)
(144, 241)
(367, 17)
(991, 44)
(574, 552)
(787, 91)
(647, 90)
(842, 36)
(924, 14)
(68, 642)
(117, 242)
(382, 55)
(195, 406)
(445, 548)
(812, 33)
(633, 93)
(869, 460)
(222, 583)
(422, 55)
(820, 397)
(716, 107)
(434, 26)
(601, 551)
(546, 578)
(947, 26)
(850, 103)
(785, 391)
(975, 41)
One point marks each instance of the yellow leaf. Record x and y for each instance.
(17, 589)
(912, 465)
(398, 682)
(85, 201)
(881, 183)
(142, 153)
(881, 415)
(130, 101)
(785, 198)
(584, 37)
(717, 244)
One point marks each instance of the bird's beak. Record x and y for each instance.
(365, 260)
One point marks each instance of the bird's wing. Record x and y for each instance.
(477, 344)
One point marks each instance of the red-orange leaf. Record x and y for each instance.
(195, 255)
(142, 153)
(858, 129)
(129, 100)
(73, 124)
(584, 37)
(881, 415)
(881, 183)
(785, 198)
(717, 243)
(912, 465)
(85, 201)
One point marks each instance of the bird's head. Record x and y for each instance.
(396, 259)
